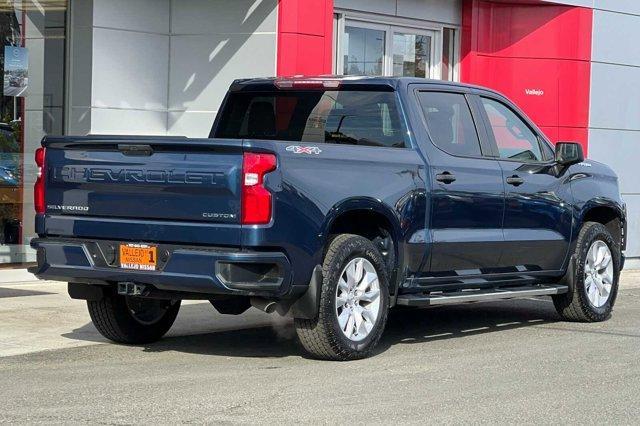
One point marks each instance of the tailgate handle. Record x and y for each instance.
(135, 150)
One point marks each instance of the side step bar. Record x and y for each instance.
(466, 296)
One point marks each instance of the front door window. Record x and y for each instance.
(514, 139)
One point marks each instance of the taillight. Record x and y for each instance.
(38, 189)
(256, 199)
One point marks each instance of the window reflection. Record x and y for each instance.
(513, 137)
(31, 106)
(411, 55)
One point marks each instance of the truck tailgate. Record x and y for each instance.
(162, 180)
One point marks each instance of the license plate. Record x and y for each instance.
(142, 257)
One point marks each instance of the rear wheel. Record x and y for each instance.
(353, 304)
(594, 285)
(126, 319)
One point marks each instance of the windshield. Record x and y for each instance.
(340, 117)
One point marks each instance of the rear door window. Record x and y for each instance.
(367, 118)
(450, 123)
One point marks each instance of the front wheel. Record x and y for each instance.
(354, 302)
(133, 320)
(594, 284)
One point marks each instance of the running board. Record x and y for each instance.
(466, 296)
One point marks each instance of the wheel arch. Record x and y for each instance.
(354, 207)
(359, 216)
(609, 214)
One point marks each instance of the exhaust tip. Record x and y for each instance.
(268, 306)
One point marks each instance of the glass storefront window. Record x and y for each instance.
(407, 48)
(31, 106)
(411, 55)
(448, 53)
(364, 50)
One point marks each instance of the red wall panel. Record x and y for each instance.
(534, 31)
(305, 37)
(537, 55)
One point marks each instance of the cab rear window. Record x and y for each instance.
(366, 118)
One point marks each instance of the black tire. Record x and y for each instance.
(115, 318)
(322, 337)
(575, 305)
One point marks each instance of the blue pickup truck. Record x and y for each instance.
(330, 200)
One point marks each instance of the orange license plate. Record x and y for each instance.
(142, 257)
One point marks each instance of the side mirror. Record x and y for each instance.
(568, 153)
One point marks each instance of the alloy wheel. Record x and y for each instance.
(598, 273)
(358, 299)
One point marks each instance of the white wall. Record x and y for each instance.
(620, 6)
(161, 67)
(119, 66)
(214, 42)
(614, 135)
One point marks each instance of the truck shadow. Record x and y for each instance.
(411, 326)
(200, 330)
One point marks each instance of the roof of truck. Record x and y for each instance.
(342, 80)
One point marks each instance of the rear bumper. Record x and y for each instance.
(200, 270)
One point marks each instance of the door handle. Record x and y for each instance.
(446, 177)
(515, 180)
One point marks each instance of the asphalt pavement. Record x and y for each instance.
(499, 362)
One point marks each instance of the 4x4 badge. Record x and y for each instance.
(297, 149)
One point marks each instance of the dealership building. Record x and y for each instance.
(161, 67)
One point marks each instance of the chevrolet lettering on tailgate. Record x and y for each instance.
(124, 175)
